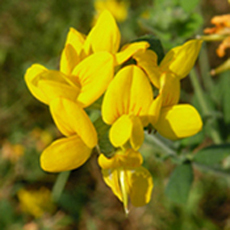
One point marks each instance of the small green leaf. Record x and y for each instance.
(212, 155)
(155, 45)
(180, 183)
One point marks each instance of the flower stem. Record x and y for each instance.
(59, 185)
(211, 123)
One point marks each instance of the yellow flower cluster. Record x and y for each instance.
(86, 73)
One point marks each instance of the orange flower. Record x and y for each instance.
(222, 28)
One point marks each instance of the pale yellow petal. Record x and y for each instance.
(69, 59)
(110, 177)
(94, 73)
(129, 50)
(140, 186)
(147, 60)
(181, 59)
(65, 154)
(178, 121)
(32, 73)
(154, 109)
(71, 119)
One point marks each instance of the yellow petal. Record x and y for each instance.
(169, 89)
(129, 93)
(129, 50)
(71, 119)
(178, 121)
(104, 36)
(147, 60)
(94, 74)
(121, 130)
(181, 59)
(54, 84)
(140, 186)
(65, 154)
(128, 158)
(110, 177)
(137, 135)
(32, 73)
(76, 40)
(69, 59)
(154, 110)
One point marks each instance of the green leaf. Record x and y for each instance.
(155, 45)
(180, 183)
(190, 5)
(212, 155)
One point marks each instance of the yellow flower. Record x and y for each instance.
(175, 121)
(126, 177)
(73, 150)
(36, 202)
(85, 84)
(119, 9)
(104, 36)
(126, 106)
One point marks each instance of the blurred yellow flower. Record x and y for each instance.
(119, 9)
(221, 31)
(175, 121)
(126, 177)
(36, 202)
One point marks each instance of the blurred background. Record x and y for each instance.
(35, 32)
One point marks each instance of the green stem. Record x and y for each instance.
(204, 106)
(59, 185)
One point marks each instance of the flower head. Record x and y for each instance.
(126, 177)
(175, 121)
(126, 106)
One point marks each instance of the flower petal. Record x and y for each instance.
(178, 121)
(121, 130)
(181, 59)
(54, 84)
(140, 186)
(111, 178)
(129, 93)
(94, 74)
(127, 158)
(104, 36)
(65, 154)
(169, 89)
(32, 73)
(129, 50)
(154, 110)
(137, 135)
(69, 59)
(75, 39)
(71, 119)
(147, 60)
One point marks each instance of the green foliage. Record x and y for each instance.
(212, 155)
(179, 184)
